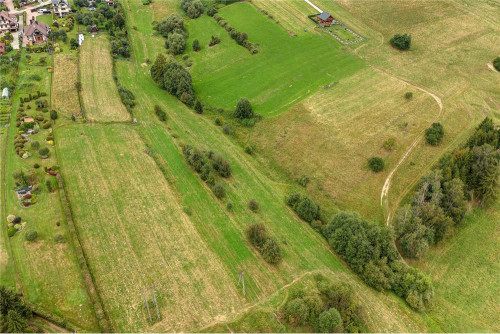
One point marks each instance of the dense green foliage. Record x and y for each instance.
(243, 109)
(172, 28)
(304, 207)
(240, 37)
(496, 63)
(196, 45)
(440, 201)
(434, 134)
(376, 164)
(31, 235)
(162, 116)
(370, 251)
(401, 41)
(13, 312)
(193, 8)
(267, 246)
(174, 78)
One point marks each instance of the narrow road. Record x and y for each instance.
(387, 184)
(314, 6)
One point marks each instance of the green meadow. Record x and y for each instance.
(286, 70)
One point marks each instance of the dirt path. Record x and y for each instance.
(384, 195)
(490, 66)
(314, 6)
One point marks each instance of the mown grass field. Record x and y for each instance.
(64, 93)
(48, 271)
(286, 70)
(99, 93)
(465, 271)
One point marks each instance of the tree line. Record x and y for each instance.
(441, 199)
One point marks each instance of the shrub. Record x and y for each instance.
(36, 165)
(198, 107)
(10, 218)
(227, 129)
(44, 151)
(31, 235)
(257, 235)
(48, 184)
(218, 121)
(176, 42)
(193, 8)
(221, 165)
(219, 190)
(11, 231)
(249, 150)
(330, 321)
(496, 63)
(212, 11)
(253, 205)
(243, 109)
(304, 207)
(296, 311)
(196, 45)
(401, 41)
(271, 251)
(390, 143)
(53, 115)
(229, 206)
(434, 134)
(59, 238)
(35, 145)
(162, 116)
(214, 40)
(376, 164)
(408, 95)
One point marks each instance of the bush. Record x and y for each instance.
(434, 134)
(193, 8)
(11, 231)
(271, 251)
(36, 166)
(330, 321)
(496, 63)
(253, 205)
(198, 107)
(162, 116)
(296, 311)
(31, 235)
(44, 151)
(243, 109)
(196, 45)
(218, 121)
(219, 190)
(408, 95)
(212, 11)
(257, 235)
(376, 164)
(35, 145)
(227, 129)
(176, 42)
(53, 115)
(401, 42)
(59, 238)
(221, 165)
(229, 206)
(390, 143)
(214, 40)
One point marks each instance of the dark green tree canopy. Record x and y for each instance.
(243, 109)
(434, 134)
(401, 41)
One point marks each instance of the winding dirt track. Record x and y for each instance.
(387, 184)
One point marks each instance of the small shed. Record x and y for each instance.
(5, 93)
(28, 120)
(325, 19)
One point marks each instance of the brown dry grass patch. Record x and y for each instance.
(99, 92)
(64, 93)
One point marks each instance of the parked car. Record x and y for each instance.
(91, 9)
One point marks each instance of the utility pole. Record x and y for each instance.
(241, 280)
(154, 301)
(147, 305)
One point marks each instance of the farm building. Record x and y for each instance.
(325, 19)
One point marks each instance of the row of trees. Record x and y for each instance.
(370, 251)
(440, 202)
(268, 247)
(172, 28)
(192, 8)
(328, 308)
(240, 37)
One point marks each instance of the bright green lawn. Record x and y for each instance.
(465, 270)
(285, 71)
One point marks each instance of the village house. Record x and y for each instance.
(61, 7)
(8, 22)
(325, 19)
(36, 33)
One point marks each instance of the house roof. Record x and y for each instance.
(28, 120)
(40, 26)
(323, 16)
(2, 44)
(8, 17)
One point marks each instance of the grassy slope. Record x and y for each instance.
(465, 271)
(49, 271)
(99, 93)
(286, 69)
(223, 231)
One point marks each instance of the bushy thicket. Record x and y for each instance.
(126, 96)
(14, 312)
(496, 63)
(240, 37)
(267, 246)
(326, 308)
(370, 251)
(376, 164)
(174, 78)
(162, 116)
(208, 165)
(172, 28)
(434, 134)
(440, 201)
(243, 109)
(401, 41)
(193, 8)
(304, 207)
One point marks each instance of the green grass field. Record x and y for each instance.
(465, 271)
(286, 69)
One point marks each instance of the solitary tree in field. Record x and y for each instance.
(198, 107)
(376, 164)
(196, 45)
(434, 134)
(401, 42)
(243, 109)
(496, 63)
